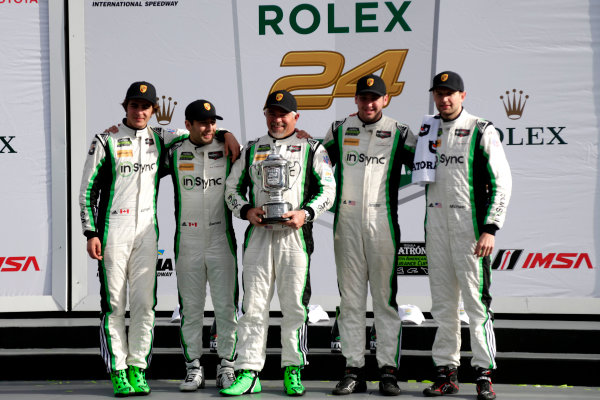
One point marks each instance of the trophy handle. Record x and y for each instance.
(292, 167)
(256, 171)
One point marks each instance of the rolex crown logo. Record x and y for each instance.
(513, 107)
(165, 112)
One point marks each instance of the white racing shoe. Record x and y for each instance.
(225, 374)
(194, 379)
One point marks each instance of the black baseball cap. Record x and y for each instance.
(200, 110)
(143, 91)
(371, 84)
(448, 79)
(282, 99)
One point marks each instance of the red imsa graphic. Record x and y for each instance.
(507, 259)
(14, 264)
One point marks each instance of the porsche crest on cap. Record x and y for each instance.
(371, 84)
(279, 96)
(207, 106)
(143, 88)
(444, 77)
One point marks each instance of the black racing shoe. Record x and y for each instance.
(484, 385)
(446, 382)
(352, 382)
(388, 385)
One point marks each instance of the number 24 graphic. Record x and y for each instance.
(389, 61)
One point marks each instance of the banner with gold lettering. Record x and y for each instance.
(529, 71)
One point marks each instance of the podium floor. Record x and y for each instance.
(168, 390)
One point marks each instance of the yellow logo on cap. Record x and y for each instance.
(370, 82)
(207, 106)
(279, 96)
(143, 88)
(444, 77)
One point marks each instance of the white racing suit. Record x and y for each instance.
(368, 159)
(275, 253)
(470, 195)
(118, 195)
(205, 246)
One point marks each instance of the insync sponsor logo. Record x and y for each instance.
(127, 168)
(18, 264)
(508, 259)
(189, 182)
(445, 160)
(352, 157)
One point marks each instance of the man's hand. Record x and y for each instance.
(112, 129)
(296, 219)
(302, 134)
(94, 248)
(254, 216)
(232, 146)
(485, 245)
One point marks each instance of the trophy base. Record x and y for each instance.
(274, 220)
(274, 211)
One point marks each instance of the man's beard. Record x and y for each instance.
(280, 135)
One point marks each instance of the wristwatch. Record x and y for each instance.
(306, 216)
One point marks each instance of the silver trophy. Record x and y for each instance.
(274, 175)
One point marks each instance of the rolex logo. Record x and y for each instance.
(513, 107)
(165, 113)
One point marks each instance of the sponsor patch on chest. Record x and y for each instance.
(215, 155)
(352, 131)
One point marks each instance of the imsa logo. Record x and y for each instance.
(507, 259)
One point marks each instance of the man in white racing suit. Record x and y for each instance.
(205, 246)
(368, 150)
(277, 253)
(466, 205)
(118, 212)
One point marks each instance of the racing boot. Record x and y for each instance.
(352, 382)
(291, 381)
(446, 382)
(247, 382)
(194, 378)
(137, 379)
(484, 384)
(225, 374)
(121, 386)
(388, 385)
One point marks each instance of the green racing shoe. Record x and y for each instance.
(137, 379)
(247, 382)
(291, 381)
(121, 386)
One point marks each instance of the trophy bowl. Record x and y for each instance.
(274, 177)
